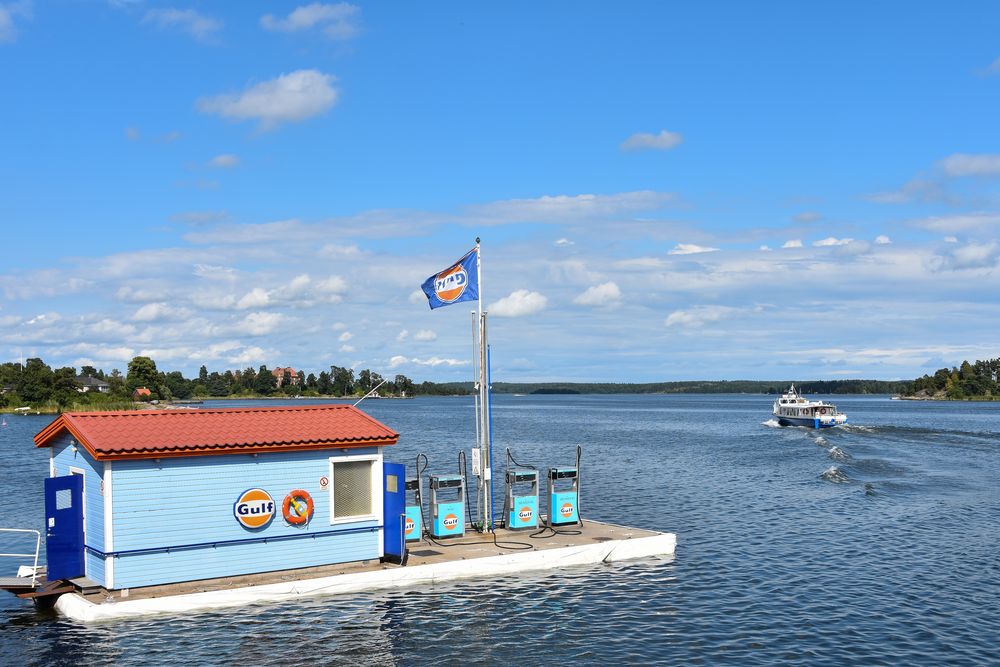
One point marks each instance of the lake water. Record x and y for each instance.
(872, 544)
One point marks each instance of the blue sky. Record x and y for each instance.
(713, 191)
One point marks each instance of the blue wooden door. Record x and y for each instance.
(64, 527)
(394, 511)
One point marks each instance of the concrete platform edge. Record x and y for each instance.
(661, 544)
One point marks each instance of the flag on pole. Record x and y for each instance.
(459, 282)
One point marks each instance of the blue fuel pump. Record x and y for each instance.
(521, 499)
(413, 525)
(564, 494)
(447, 514)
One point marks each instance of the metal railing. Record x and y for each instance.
(38, 546)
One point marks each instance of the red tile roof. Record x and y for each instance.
(148, 434)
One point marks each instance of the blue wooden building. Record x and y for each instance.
(148, 497)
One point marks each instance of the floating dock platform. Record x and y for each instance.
(473, 556)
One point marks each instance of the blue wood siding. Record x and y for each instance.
(64, 458)
(189, 501)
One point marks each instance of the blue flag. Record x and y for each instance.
(459, 282)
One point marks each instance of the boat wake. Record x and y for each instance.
(772, 423)
(821, 441)
(838, 454)
(835, 475)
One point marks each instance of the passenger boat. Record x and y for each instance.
(791, 409)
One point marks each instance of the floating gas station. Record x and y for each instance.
(157, 511)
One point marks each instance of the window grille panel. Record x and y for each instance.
(64, 499)
(352, 488)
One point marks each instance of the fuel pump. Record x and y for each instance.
(564, 494)
(447, 513)
(520, 505)
(413, 527)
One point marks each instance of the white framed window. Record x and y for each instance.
(356, 489)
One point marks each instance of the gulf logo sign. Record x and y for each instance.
(450, 522)
(566, 510)
(525, 514)
(450, 284)
(254, 509)
(409, 525)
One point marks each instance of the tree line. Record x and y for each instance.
(978, 379)
(36, 384)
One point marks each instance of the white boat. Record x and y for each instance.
(791, 409)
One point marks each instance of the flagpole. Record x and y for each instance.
(485, 471)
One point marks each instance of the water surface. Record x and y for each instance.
(865, 545)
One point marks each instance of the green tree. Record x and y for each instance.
(88, 371)
(177, 384)
(117, 382)
(342, 380)
(64, 387)
(323, 384)
(34, 384)
(142, 373)
(404, 385)
(265, 382)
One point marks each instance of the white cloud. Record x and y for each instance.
(290, 98)
(344, 337)
(645, 141)
(338, 326)
(560, 208)
(974, 256)
(224, 161)
(417, 297)
(261, 323)
(198, 26)
(964, 164)
(698, 316)
(332, 285)
(8, 12)
(346, 348)
(690, 249)
(425, 335)
(438, 361)
(969, 222)
(153, 312)
(107, 326)
(807, 216)
(882, 239)
(606, 294)
(398, 361)
(794, 243)
(765, 248)
(563, 242)
(340, 251)
(831, 241)
(255, 298)
(518, 304)
(249, 355)
(403, 335)
(337, 21)
(918, 189)
(950, 239)
(221, 273)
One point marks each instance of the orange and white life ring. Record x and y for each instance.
(292, 509)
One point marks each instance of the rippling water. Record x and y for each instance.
(870, 544)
